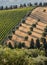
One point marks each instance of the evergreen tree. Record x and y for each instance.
(32, 44)
(38, 43)
(10, 46)
(20, 45)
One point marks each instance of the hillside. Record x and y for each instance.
(10, 18)
(34, 26)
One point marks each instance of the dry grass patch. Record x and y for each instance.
(20, 33)
(24, 29)
(25, 25)
(41, 24)
(16, 38)
(30, 22)
(36, 34)
(37, 30)
(40, 27)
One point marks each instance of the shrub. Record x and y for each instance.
(13, 32)
(44, 34)
(10, 37)
(26, 38)
(17, 27)
(23, 21)
(44, 10)
(42, 39)
(20, 24)
(29, 32)
(45, 29)
(31, 28)
(33, 25)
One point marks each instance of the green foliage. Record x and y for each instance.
(33, 25)
(44, 34)
(29, 32)
(10, 37)
(26, 38)
(31, 28)
(21, 56)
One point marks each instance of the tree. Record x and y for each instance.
(13, 32)
(11, 7)
(17, 27)
(15, 45)
(38, 43)
(20, 45)
(6, 8)
(1, 8)
(45, 4)
(24, 5)
(40, 4)
(21, 5)
(36, 4)
(31, 28)
(10, 46)
(29, 33)
(23, 21)
(29, 4)
(45, 29)
(33, 25)
(26, 38)
(32, 44)
(10, 37)
(23, 44)
(44, 34)
(44, 43)
(15, 6)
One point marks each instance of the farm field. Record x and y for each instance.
(31, 28)
(10, 18)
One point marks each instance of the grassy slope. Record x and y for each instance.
(9, 18)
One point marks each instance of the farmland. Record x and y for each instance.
(10, 18)
(26, 39)
(31, 28)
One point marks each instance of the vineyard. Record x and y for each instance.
(10, 18)
(34, 26)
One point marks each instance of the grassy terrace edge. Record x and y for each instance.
(10, 18)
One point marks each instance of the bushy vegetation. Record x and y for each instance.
(22, 56)
(10, 18)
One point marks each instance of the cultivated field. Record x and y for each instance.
(37, 20)
(10, 18)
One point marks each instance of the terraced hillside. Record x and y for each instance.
(33, 27)
(10, 18)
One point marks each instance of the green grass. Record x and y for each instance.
(10, 18)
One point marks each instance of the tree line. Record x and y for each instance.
(23, 5)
